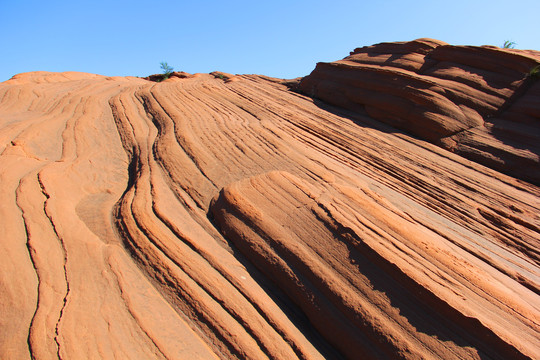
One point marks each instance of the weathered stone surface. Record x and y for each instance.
(227, 217)
(470, 100)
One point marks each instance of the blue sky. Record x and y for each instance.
(276, 38)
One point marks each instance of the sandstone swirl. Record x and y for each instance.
(479, 102)
(227, 217)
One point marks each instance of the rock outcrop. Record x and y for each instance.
(479, 102)
(213, 216)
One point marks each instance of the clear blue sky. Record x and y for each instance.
(281, 38)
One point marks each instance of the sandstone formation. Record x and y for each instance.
(213, 216)
(479, 102)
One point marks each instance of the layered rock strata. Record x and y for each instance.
(229, 218)
(480, 102)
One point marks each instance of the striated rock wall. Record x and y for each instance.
(229, 218)
(479, 102)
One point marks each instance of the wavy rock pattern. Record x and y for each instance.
(479, 102)
(220, 218)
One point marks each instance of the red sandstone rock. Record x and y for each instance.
(449, 95)
(198, 218)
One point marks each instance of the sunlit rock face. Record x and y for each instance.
(480, 102)
(214, 216)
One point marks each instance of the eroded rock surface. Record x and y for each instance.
(226, 217)
(479, 102)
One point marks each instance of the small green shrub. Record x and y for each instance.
(509, 44)
(534, 73)
(219, 75)
(167, 70)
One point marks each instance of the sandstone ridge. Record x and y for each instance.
(219, 216)
(479, 102)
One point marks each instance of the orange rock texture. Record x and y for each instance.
(480, 102)
(213, 216)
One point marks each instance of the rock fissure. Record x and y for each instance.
(64, 250)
